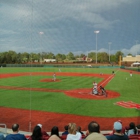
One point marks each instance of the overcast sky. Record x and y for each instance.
(63, 26)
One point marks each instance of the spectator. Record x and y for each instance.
(138, 128)
(79, 130)
(54, 134)
(132, 129)
(66, 130)
(36, 135)
(15, 135)
(94, 132)
(2, 136)
(123, 129)
(118, 135)
(103, 91)
(73, 134)
(44, 133)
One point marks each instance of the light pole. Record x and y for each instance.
(136, 44)
(109, 43)
(96, 32)
(40, 33)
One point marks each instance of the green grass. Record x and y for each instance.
(59, 102)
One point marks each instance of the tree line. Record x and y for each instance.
(12, 57)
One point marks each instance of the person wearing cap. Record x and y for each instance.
(36, 134)
(16, 135)
(118, 135)
(94, 132)
(123, 129)
(95, 85)
(103, 91)
(44, 133)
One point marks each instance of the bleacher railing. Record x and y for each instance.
(3, 128)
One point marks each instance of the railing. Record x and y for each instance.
(3, 128)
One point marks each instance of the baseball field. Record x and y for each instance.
(29, 96)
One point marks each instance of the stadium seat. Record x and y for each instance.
(83, 136)
(46, 137)
(27, 136)
(63, 137)
(134, 136)
(106, 134)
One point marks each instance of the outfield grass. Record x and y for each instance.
(59, 102)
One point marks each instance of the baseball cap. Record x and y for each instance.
(117, 126)
(40, 125)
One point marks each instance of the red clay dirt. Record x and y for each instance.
(29, 118)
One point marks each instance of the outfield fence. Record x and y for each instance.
(60, 65)
(131, 68)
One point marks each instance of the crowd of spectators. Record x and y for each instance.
(73, 132)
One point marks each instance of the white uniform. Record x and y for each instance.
(95, 91)
(54, 77)
(95, 85)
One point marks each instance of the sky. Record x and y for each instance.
(63, 26)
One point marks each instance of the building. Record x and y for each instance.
(49, 60)
(130, 60)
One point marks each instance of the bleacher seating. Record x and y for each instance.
(63, 137)
(106, 134)
(46, 137)
(134, 137)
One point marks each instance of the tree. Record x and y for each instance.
(63, 56)
(118, 54)
(92, 56)
(50, 55)
(19, 58)
(102, 57)
(129, 54)
(77, 56)
(113, 58)
(25, 57)
(82, 55)
(58, 57)
(2, 57)
(33, 57)
(70, 56)
(13, 56)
